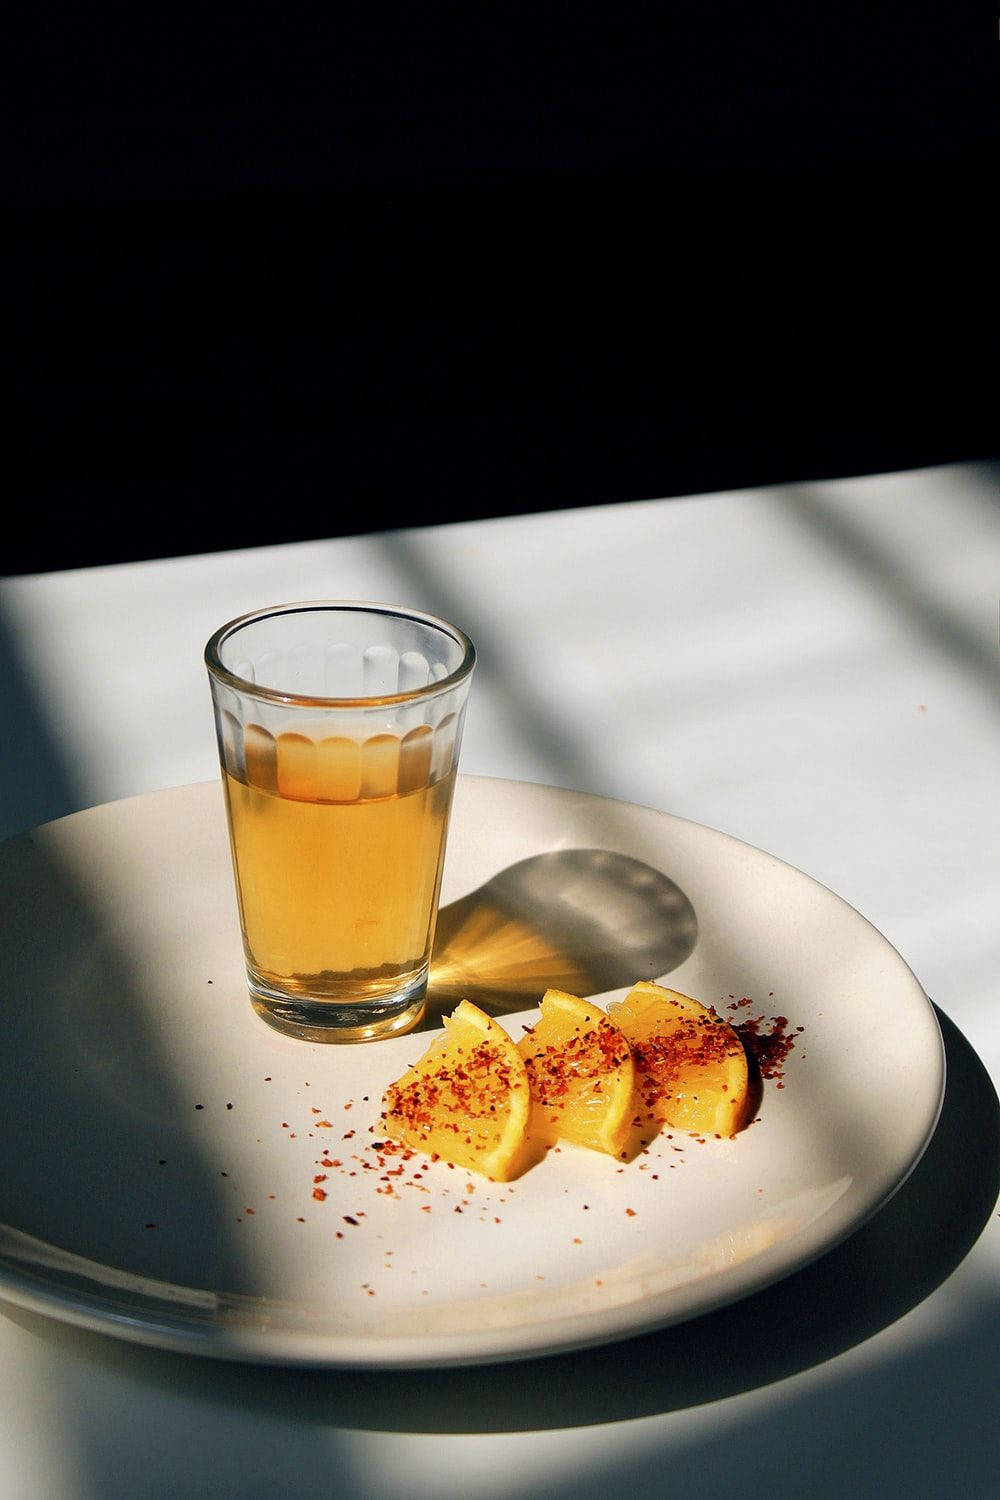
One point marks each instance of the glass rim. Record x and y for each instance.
(222, 674)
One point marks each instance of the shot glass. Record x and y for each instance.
(339, 727)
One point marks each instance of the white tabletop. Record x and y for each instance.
(812, 668)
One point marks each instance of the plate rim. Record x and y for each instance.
(104, 1312)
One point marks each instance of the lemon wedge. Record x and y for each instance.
(467, 1100)
(690, 1066)
(581, 1075)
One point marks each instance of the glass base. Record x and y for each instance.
(341, 1020)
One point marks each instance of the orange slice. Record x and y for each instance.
(690, 1066)
(467, 1100)
(581, 1075)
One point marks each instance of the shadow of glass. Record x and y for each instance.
(583, 920)
(882, 1271)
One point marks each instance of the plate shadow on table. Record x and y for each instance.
(882, 1271)
(583, 920)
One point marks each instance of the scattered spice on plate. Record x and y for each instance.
(768, 1041)
(768, 1048)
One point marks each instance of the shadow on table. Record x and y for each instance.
(889, 1266)
(875, 564)
(37, 777)
(583, 920)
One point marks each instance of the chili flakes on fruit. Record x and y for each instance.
(468, 1091)
(590, 1054)
(697, 1041)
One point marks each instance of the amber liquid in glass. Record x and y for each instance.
(338, 899)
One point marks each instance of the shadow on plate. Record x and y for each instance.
(890, 1265)
(583, 920)
(92, 1104)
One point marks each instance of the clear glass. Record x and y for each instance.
(339, 727)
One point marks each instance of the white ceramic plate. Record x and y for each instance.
(162, 1143)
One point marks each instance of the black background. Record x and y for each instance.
(281, 275)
